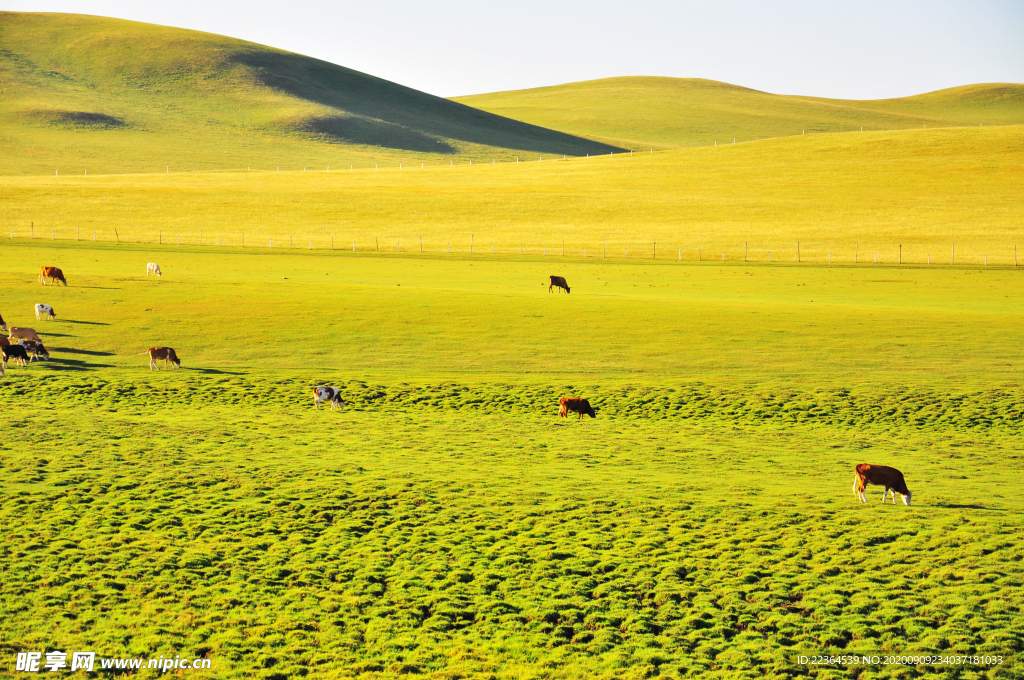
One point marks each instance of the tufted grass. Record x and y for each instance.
(448, 524)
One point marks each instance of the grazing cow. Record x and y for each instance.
(558, 282)
(323, 393)
(23, 334)
(880, 475)
(36, 349)
(4, 342)
(165, 353)
(153, 268)
(46, 311)
(3, 324)
(16, 352)
(52, 273)
(581, 406)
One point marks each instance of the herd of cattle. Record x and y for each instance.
(23, 345)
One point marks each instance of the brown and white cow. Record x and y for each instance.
(323, 393)
(558, 282)
(153, 268)
(581, 406)
(162, 353)
(35, 349)
(46, 311)
(23, 334)
(52, 273)
(880, 475)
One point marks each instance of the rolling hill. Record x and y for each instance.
(95, 94)
(665, 113)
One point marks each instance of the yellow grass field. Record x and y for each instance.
(914, 195)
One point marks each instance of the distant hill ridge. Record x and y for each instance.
(126, 96)
(642, 111)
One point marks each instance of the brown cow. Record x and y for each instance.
(581, 406)
(558, 282)
(23, 334)
(4, 342)
(165, 353)
(880, 475)
(3, 324)
(52, 273)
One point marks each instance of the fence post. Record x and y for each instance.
(376, 244)
(901, 250)
(94, 236)
(332, 235)
(654, 251)
(53, 236)
(353, 246)
(421, 244)
(470, 244)
(311, 244)
(116, 237)
(1014, 252)
(680, 254)
(31, 230)
(78, 236)
(744, 251)
(952, 257)
(798, 251)
(160, 238)
(179, 239)
(723, 256)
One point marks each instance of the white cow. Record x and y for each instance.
(45, 310)
(153, 268)
(324, 393)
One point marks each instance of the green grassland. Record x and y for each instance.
(852, 195)
(81, 93)
(668, 113)
(449, 525)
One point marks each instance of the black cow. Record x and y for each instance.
(16, 352)
(3, 324)
(558, 282)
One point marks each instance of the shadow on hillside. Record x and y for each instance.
(356, 130)
(386, 114)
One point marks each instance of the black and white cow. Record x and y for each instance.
(323, 393)
(35, 348)
(16, 352)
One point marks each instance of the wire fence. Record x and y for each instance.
(796, 252)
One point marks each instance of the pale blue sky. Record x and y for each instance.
(863, 50)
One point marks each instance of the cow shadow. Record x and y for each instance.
(55, 335)
(90, 323)
(69, 365)
(211, 371)
(72, 350)
(966, 506)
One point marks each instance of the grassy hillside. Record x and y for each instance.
(665, 113)
(853, 195)
(105, 95)
(449, 524)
